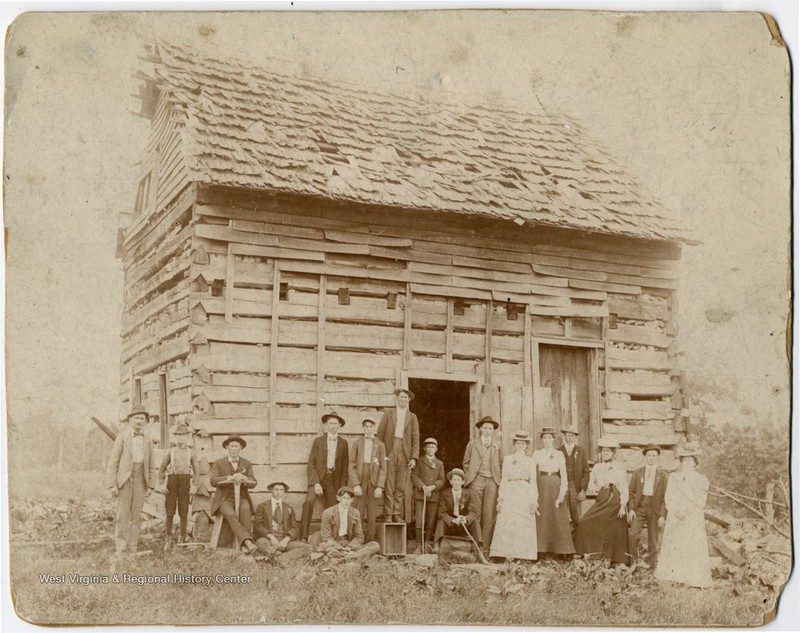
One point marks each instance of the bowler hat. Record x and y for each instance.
(456, 471)
(607, 442)
(651, 447)
(572, 430)
(138, 409)
(410, 394)
(333, 414)
(489, 419)
(234, 438)
(521, 436)
(547, 430)
(181, 429)
(431, 440)
(278, 483)
(345, 490)
(365, 420)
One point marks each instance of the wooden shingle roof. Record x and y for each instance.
(258, 129)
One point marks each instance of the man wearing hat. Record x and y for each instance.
(482, 461)
(340, 529)
(131, 473)
(646, 505)
(458, 508)
(178, 465)
(327, 467)
(427, 479)
(274, 523)
(399, 432)
(368, 464)
(226, 472)
(577, 474)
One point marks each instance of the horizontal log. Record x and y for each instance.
(665, 438)
(546, 326)
(639, 309)
(585, 284)
(637, 359)
(637, 378)
(624, 413)
(638, 335)
(655, 409)
(374, 240)
(165, 352)
(619, 268)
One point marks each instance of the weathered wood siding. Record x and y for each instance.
(296, 306)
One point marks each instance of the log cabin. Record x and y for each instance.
(298, 245)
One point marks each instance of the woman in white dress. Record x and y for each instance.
(553, 530)
(684, 549)
(517, 502)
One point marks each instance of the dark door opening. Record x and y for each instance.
(442, 407)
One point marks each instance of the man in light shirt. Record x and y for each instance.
(275, 524)
(340, 530)
(577, 474)
(399, 432)
(368, 464)
(132, 474)
(646, 504)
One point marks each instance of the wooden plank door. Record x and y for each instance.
(565, 375)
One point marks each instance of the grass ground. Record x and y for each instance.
(380, 591)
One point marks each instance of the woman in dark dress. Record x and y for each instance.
(603, 530)
(554, 535)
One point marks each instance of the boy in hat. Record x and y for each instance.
(427, 479)
(482, 461)
(340, 530)
(274, 523)
(225, 474)
(368, 464)
(577, 474)
(178, 466)
(399, 432)
(646, 505)
(131, 473)
(327, 469)
(458, 508)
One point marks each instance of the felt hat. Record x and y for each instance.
(548, 430)
(456, 471)
(364, 422)
(489, 419)
(234, 438)
(333, 414)
(431, 440)
(345, 490)
(651, 447)
(410, 394)
(607, 442)
(181, 429)
(571, 429)
(138, 409)
(278, 483)
(521, 436)
(689, 449)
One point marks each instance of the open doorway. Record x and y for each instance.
(442, 407)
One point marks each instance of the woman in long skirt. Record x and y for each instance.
(603, 530)
(684, 549)
(517, 502)
(554, 534)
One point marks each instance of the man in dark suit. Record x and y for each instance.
(482, 461)
(340, 530)
(368, 464)
(226, 473)
(131, 473)
(646, 504)
(577, 474)
(327, 469)
(274, 524)
(427, 479)
(458, 507)
(399, 432)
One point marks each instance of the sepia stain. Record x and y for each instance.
(21, 52)
(206, 30)
(459, 55)
(718, 315)
(625, 25)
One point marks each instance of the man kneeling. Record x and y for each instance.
(341, 531)
(275, 525)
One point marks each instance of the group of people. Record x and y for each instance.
(523, 506)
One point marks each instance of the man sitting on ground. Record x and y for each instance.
(341, 532)
(275, 525)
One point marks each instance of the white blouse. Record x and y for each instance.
(610, 474)
(550, 461)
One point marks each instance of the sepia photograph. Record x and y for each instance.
(414, 317)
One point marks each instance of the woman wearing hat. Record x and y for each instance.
(684, 550)
(603, 529)
(554, 534)
(517, 502)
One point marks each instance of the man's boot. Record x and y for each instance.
(182, 532)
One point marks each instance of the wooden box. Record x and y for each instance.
(392, 538)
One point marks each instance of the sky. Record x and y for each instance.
(695, 106)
